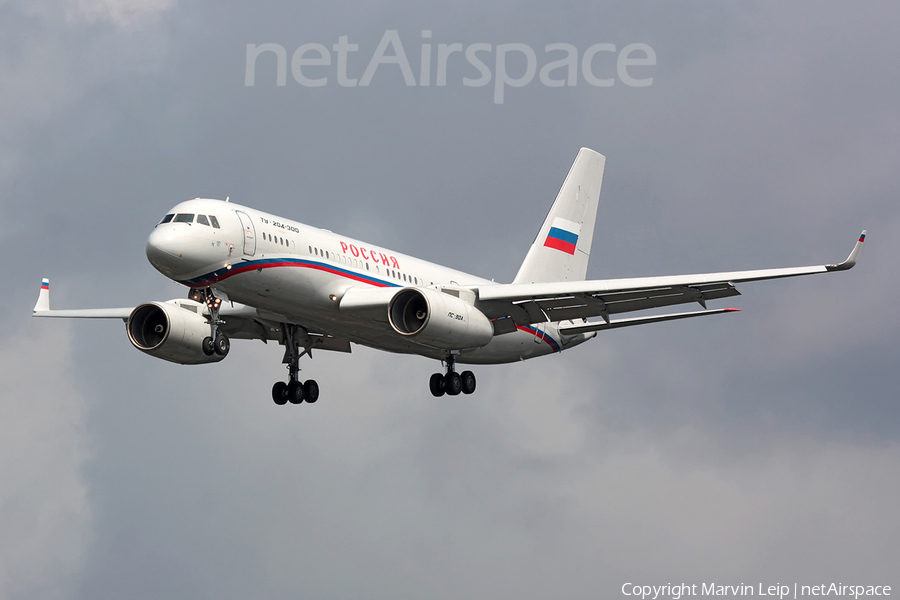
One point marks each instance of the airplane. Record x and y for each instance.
(254, 275)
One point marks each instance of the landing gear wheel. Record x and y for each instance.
(452, 383)
(468, 382)
(208, 347)
(436, 383)
(311, 391)
(222, 345)
(279, 393)
(295, 392)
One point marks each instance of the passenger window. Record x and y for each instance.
(201, 219)
(214, 221)
(166, 219)
(183, 218)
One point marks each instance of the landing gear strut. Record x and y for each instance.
(217, 342)
(294, 390)
(451, 383)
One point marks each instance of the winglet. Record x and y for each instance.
(854, 255)
(43, 301)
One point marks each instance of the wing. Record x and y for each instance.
(239, 321)
(524, 304)
(42, 308)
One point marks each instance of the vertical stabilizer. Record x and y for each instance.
(561, 250)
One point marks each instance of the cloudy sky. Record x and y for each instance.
(761, 447)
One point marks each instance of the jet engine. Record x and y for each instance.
(173, 331)
(438, 319)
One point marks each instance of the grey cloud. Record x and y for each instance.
(45, 512)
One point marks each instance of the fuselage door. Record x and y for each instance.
(249, 233)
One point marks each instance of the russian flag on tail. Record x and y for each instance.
(563, 235)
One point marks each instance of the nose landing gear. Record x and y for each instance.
(451, 383)
(294, 390)
(217, 342)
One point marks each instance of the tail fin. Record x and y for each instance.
(561, 250)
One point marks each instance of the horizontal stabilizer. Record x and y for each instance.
(588, 327)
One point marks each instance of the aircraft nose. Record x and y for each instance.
(164, 251)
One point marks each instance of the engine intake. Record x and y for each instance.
(170, 331)
(438, 319)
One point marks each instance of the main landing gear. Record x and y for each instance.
(294, 390)
(452, 383)
(217, 342)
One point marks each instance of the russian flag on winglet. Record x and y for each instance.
(45, 284)
(862, 238)
(563, 236)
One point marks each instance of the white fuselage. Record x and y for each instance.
(287, 268)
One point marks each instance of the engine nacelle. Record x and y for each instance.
(172, 331)
(438, 319)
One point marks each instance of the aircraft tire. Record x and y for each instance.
(452, 384)
(279, 393)
(222, 345)
(311, 391)
(295, 392)
(436, 385)
(209, 348)
(468, 382)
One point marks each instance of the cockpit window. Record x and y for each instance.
(201, 219)
(214, 221)
(183, 218)
(166, 219)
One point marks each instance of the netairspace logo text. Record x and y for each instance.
(599, 65)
